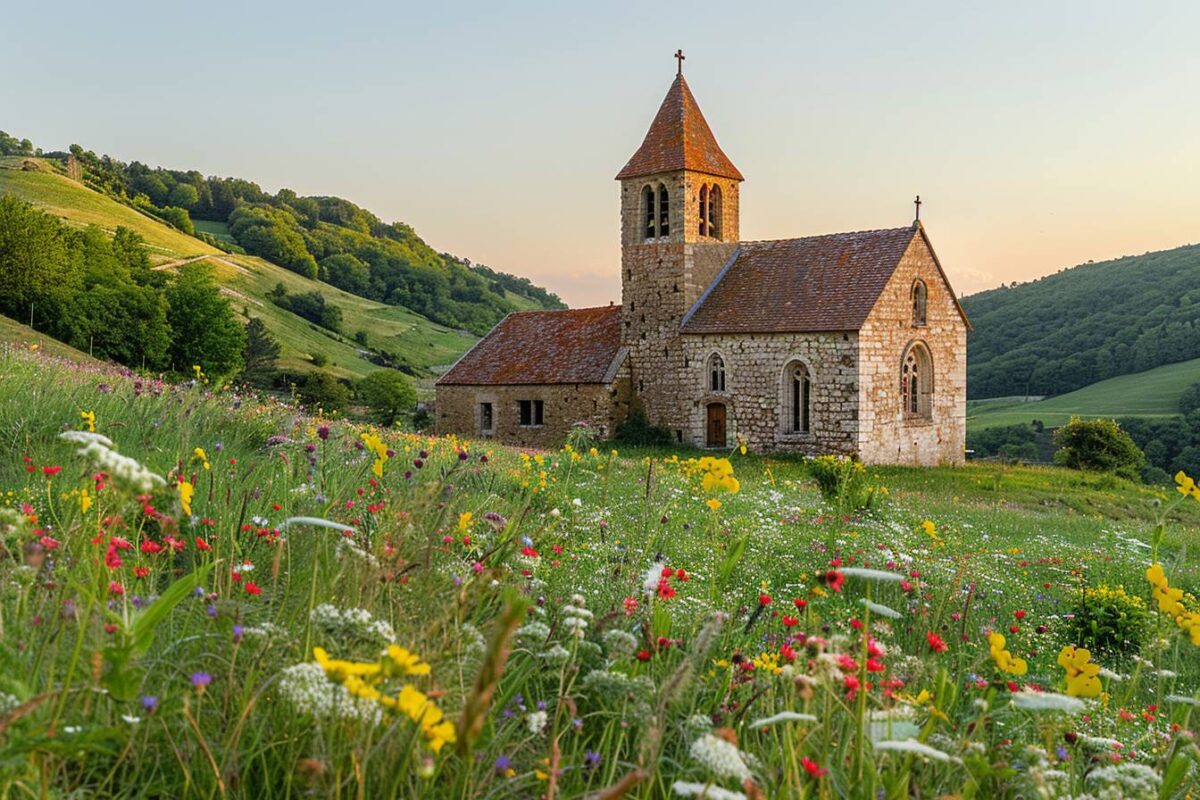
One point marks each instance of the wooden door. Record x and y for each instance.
(716, 425)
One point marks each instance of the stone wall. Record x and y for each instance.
(755, 384)
(888, 435)
(603, 406)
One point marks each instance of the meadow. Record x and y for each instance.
(208, 593)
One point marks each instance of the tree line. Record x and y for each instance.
(1084, 324)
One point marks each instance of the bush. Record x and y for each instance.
(844, 482)
(389, 395)
(324, 390)
(1109, 620)
(319, 359)
(637, 431)
(1189, 401)
(1098, 445)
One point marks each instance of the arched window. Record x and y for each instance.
(916, 382)
(714, 212)
(664, 211)
(716, 373)
(919, 294)
(648, 211)
(797, 398)
(704, 211)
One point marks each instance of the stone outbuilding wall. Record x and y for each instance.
(887, 433)
(603, 406)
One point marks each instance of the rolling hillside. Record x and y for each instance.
(1151, 394)
(1085, 324)
(424, 345)
(14, 333)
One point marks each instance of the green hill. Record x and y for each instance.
(1085, 324)
(424, 347)
(1151, 394)
(13, 333)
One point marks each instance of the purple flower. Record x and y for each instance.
(211, 611)
(323, 432)
(483, 458)
(418, 463)
(423, 454)
(238, 632)
(591, 759)
(503, 764)
(149, 703)
(462, 455)
(200, 680)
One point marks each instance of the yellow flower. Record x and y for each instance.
(464, 521)
(376, 446)
(930, 528)
(89, 419)
(201, 456)
(85, 500)
(1189, 623)
(1187, 486)
(713, 503)
(1082, 680)
(407, 662)
(199, 372)
(186, 490)
(1005, 660)
(1168, 599)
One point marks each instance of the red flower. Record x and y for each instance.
(790, 622)
(50, 472)
(936, 643)
(856, 624)
(643, 655)
(202, 545)
(1012, 687)
(787, 653)
(811, 768)
(875, 665)
(1019, 614)
(141, 572)
(834, 580)
(682, 575)
(667, 572)
(764, 599)
(800, 602)
(631, 605)
(252, 588)
(665, 590)
(529, 552)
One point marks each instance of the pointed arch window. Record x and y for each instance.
(916, 382)
(797, 398)
(704, 210)
(664, 211)
(919, 295)
(714, 212)
(716, 373)
(649, 215)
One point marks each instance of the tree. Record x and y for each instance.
(184, 195)
(322, 389)
(204, 329)
(260, 353)
(1189, 401)
(37, 269)
(389, 394)
(1098, 445)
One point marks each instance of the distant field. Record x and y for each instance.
(217, 229)
(1154, 393)
(63, 197)
(246, 280)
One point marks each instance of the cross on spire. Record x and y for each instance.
(917, 203)
(679, 56)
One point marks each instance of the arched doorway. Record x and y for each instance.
(715, 436)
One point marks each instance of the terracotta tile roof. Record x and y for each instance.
(573, 346)
(679, 138)
(818, 283)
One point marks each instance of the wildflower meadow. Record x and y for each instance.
(209, 593)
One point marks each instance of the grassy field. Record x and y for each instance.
(429, 347)
(585, 623)
(1154, 393)
(15, 334)
(58, 195)
(217, 229)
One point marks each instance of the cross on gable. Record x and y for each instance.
(679, 56)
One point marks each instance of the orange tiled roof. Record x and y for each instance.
(818, 283)
(539, 347)
(679, 138)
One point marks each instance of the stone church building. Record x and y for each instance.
(848, 343)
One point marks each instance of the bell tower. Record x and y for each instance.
(679, 224)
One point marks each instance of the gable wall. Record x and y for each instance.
(753, 395)
(886, 434)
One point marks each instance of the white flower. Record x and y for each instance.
(311, 693)
(916, 748)
(132, 720)
(883, 611)
(72, 728)
(536, 721)
(1179, 698)
(577, 502)
(870, 574)
(720, 757)
(85, 437)
(1047, 701)
(705, 791)
(122, 469)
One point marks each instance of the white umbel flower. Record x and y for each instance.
(705, 791)
(916, 748)
(537, 721)
(720, 757)
(122, 469)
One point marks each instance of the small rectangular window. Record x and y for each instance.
(537, 412)
(485, 418)
(526, 410)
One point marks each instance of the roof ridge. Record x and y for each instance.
(825, 235)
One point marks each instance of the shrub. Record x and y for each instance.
(1098, 445)
(1189, 401)
(324, 390)
(389, 394)
(844, 482)
(1109, 620)
(636, 430)
(319, 359)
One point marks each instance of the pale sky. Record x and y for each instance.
(1039, 134)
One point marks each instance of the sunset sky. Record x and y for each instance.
(1039, 135)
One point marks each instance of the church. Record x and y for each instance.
(844, 343)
